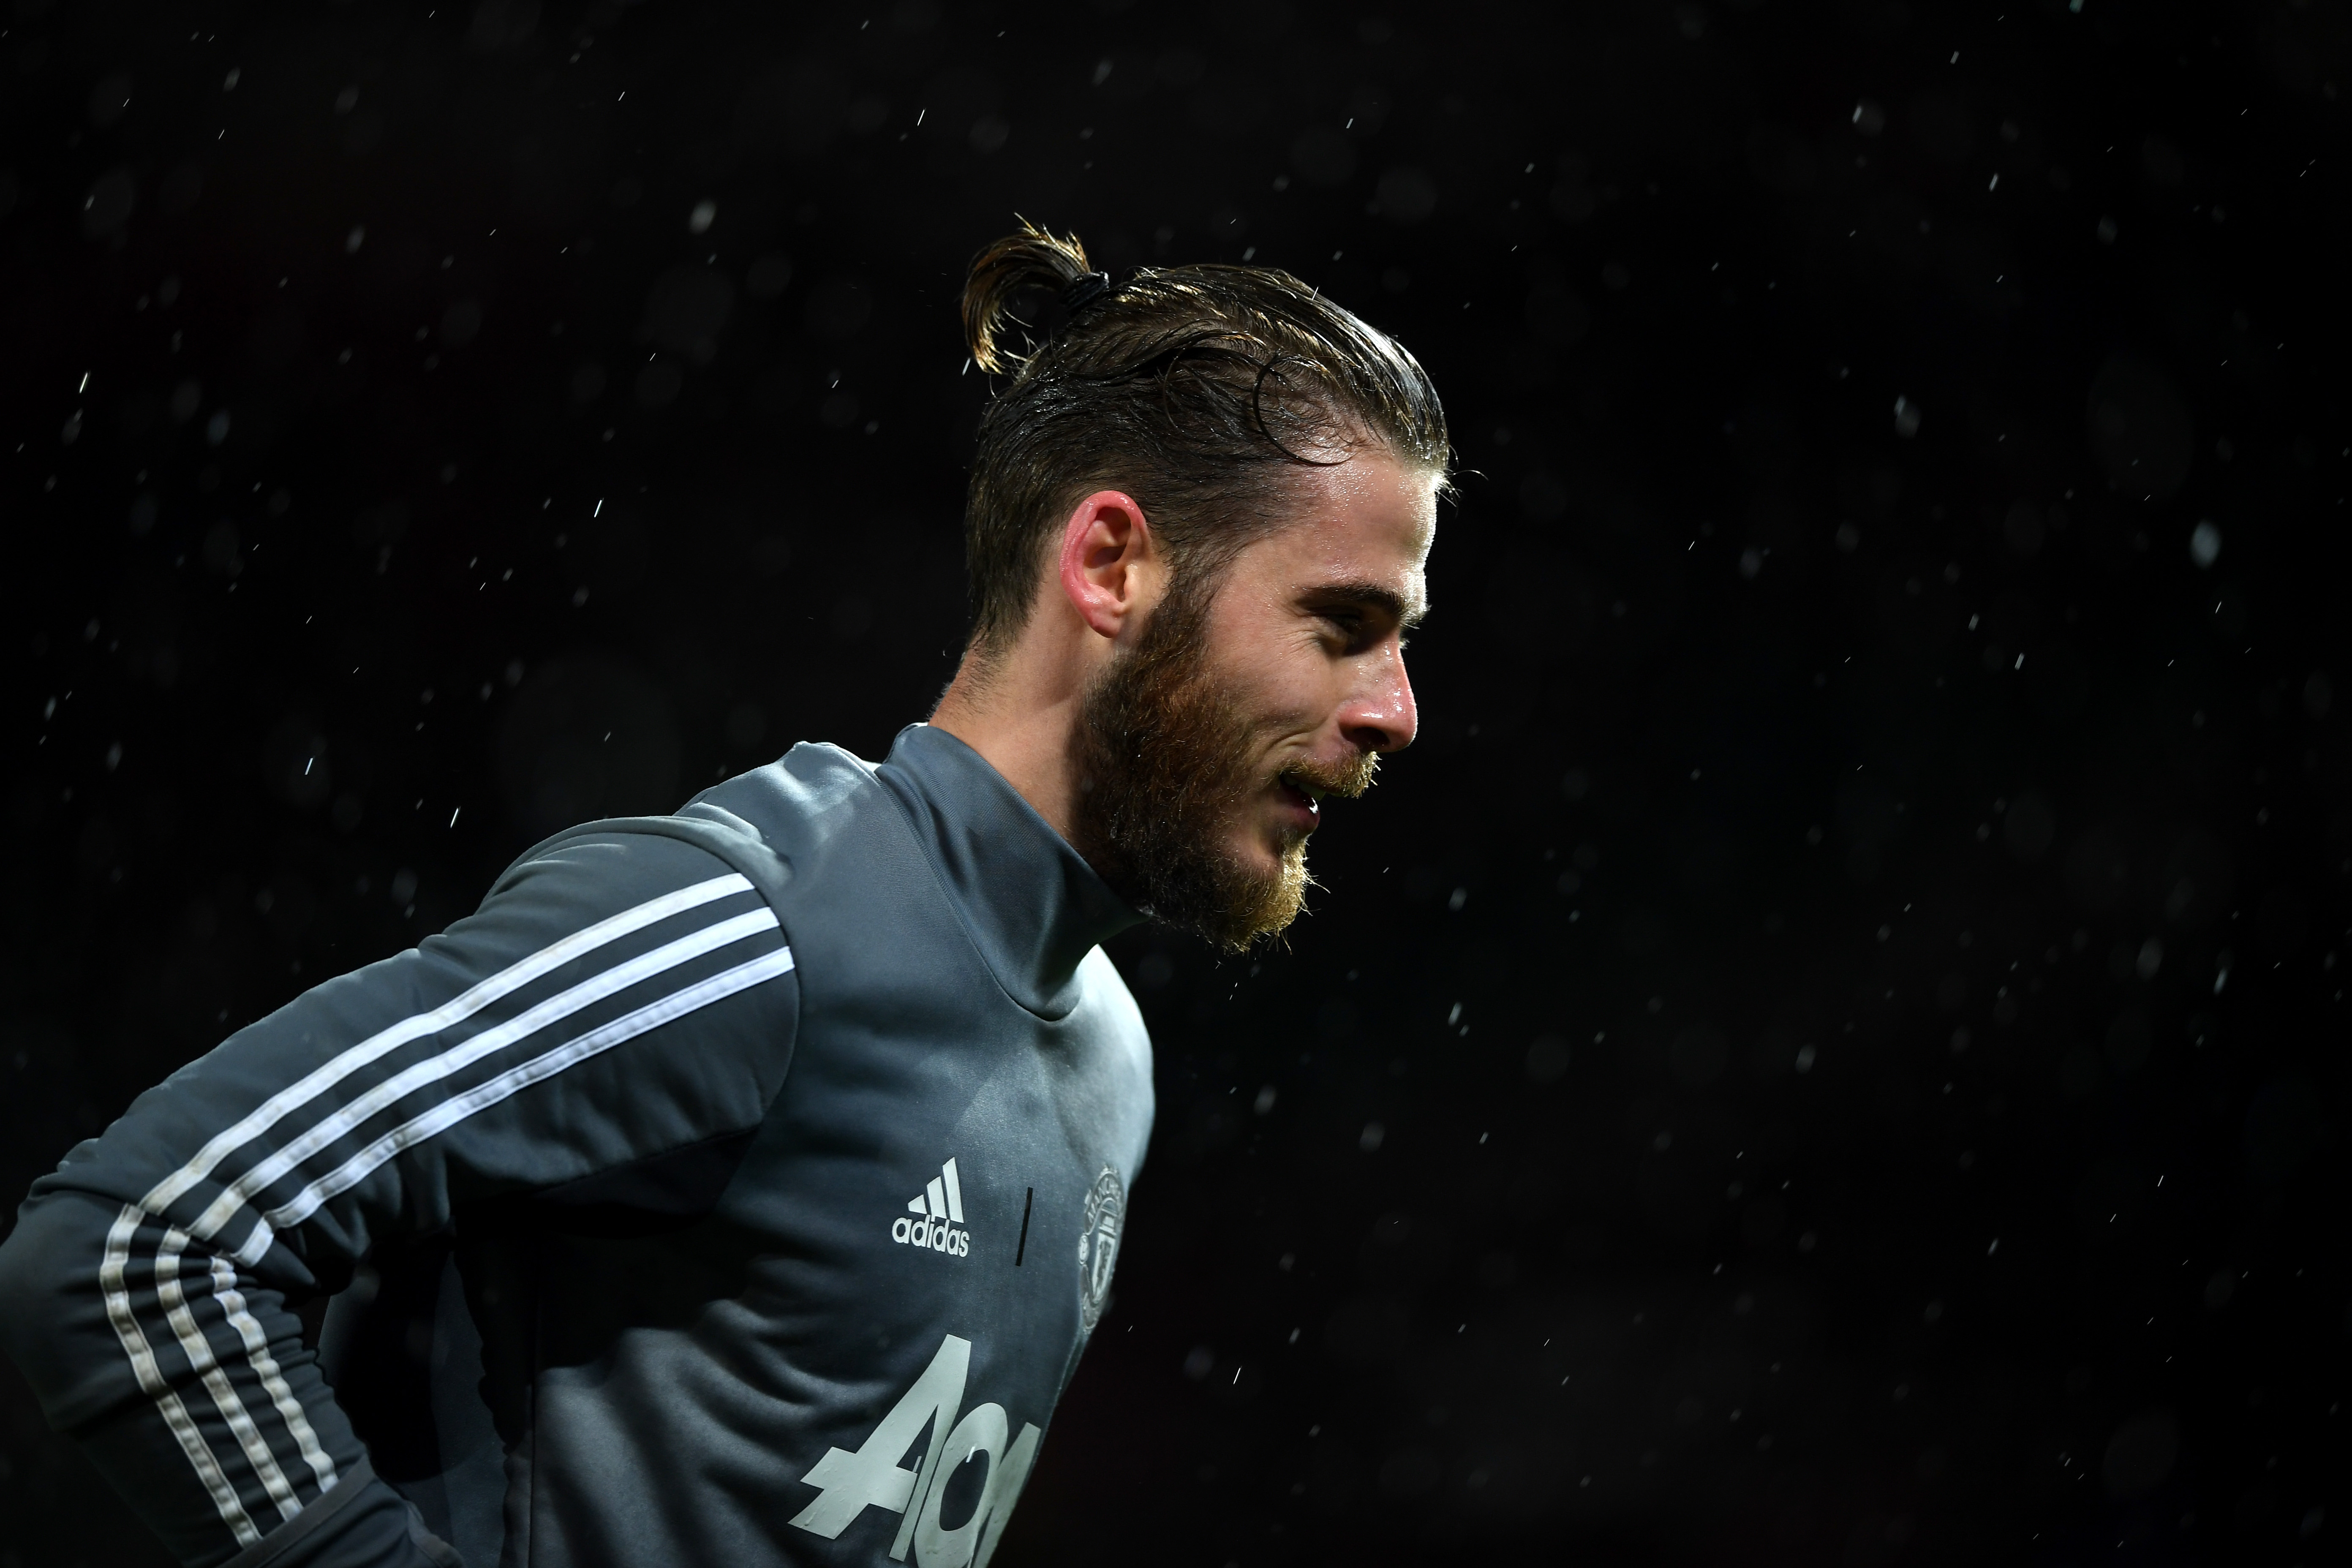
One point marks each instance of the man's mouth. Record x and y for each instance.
(1301, 796)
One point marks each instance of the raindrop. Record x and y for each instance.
(2205, 543)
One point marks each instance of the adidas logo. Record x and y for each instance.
(940, 1204)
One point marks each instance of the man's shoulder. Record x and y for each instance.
(1118, 1044)
(812, 784)
(747, 826)
(1116, 1011)
(614, 861)
(1119, 1058)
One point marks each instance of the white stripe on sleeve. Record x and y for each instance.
(415, 1026)
(199, 1351)
(433, 1070)
(482, 1096)
(151, 1378)
(265, 1369)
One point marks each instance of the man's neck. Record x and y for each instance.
(1020, 724)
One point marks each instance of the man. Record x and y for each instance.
(741, 1186)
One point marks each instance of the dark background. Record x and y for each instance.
(1830, 1049)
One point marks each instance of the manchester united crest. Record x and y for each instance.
(1098, 1245)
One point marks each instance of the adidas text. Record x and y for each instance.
(933, 1233)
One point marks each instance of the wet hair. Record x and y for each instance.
(1200, 391)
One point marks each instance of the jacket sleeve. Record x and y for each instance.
(616, 997)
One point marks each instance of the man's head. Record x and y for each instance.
(1222, 487)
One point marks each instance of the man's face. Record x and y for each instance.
(1206, 751)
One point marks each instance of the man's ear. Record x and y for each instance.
(1110, 567)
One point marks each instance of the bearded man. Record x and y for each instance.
(713, 1193)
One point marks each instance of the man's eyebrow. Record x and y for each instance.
(1406, 613)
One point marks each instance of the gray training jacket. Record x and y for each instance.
(735, 1188)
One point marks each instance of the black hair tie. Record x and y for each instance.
(1083, 291)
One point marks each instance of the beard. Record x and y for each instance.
(1166, 760)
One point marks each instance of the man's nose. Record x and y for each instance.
(1379, 714)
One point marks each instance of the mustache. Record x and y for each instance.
(1349, 780)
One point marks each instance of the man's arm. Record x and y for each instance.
(616, 998)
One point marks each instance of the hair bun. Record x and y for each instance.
(1032, 258)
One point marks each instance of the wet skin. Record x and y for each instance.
(1306, 636)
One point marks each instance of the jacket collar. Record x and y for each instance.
(1032, 906)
